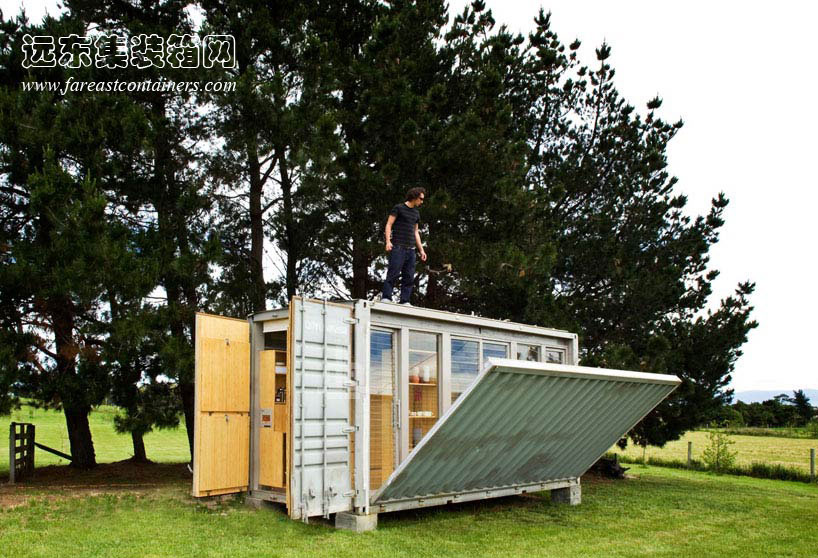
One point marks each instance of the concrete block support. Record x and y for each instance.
(357, 523)
(571, 495)
(256, 502)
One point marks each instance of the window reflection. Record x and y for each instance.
(528, 352)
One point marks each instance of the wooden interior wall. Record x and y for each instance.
(381, 442)
(424, 398)
(222, 428)
(272, 441)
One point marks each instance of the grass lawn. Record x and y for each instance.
(790, 452)
(122, 510)
(164, 446)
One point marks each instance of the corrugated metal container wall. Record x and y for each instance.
(523, 423)
(321, 474)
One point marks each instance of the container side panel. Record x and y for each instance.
(522, 424)
(222, 406)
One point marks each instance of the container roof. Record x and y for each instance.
(436, 315)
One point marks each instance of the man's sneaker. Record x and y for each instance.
(407, 303)
(382, 299)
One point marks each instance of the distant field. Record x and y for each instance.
(790, 452)
(170, 446)
(777, 432)
(164, 446)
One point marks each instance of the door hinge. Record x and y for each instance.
(351, 320)
(350, 383)
(348, 429)
(350, 493)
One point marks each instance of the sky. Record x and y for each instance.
(742, 77)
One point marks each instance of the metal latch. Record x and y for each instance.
(350, 383)
(350, 493)
(348, 429)
(351, 320)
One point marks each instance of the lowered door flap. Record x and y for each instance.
(523, 423)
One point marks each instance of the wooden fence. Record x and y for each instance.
(21, 451)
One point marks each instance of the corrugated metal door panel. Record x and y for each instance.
(524, 423)
(221, 443)
(320, 483)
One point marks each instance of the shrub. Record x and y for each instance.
(812, 428)
(718, 456)
(754, 469)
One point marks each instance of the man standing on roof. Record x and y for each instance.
(402, 236)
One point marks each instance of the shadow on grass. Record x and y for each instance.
(56, 481)
(128, 477)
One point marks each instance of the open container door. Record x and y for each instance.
(521, 424)
(221, 441)
(320, 369)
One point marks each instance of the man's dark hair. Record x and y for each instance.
(415, 193)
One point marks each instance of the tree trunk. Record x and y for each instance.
(188, 392)
(289, 224)
(434, 292)
(79, 436)
(360, 267)
(259, 288)
(75, 409)
(139, 454)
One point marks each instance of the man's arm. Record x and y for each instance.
(389, 232)
(419, 243)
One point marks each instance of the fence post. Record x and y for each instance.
(689, 454)
(812, 465)
(12, 464)
(30, 451)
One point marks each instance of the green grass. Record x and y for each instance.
(786, 452)
(127, 510)
(164, 446)
(660, 512)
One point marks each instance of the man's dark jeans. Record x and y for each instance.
(401, 262)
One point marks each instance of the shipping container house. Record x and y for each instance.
(362, 407)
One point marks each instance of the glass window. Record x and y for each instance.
(381, 362)
(382, 438)
(528, 352)
(465, 365)
(554, 356)
(423, 401)
(494, 350)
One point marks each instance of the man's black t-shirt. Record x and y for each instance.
(403, 229)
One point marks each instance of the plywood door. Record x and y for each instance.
(221, 444)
